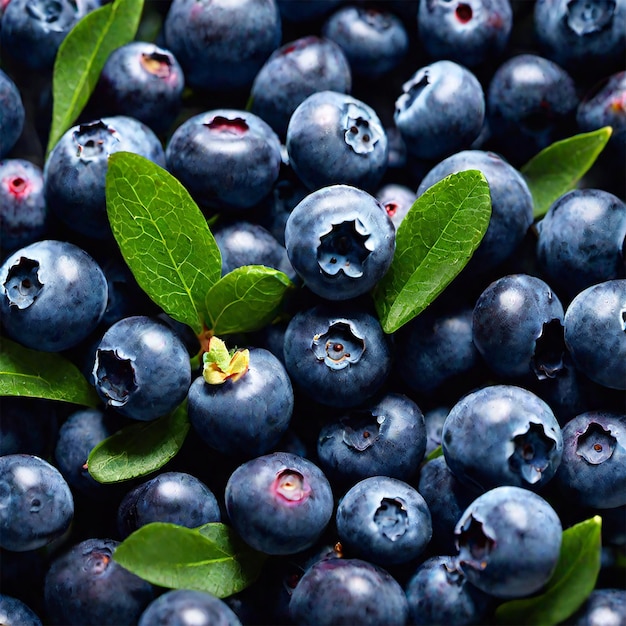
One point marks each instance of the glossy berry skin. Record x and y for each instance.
(594, 332)
(581, 240)
(511, 204)
(333, 138)
(32, 30)
(531, 102)
(84, 585)
(141, 368)
(581, 35)
(12, 114)
(439, 593)
(602, 606)
(185, 607)
(75, 170)
(14, 612)
(375, 41)
(593, 469)
(226, 158)
(23, 208)
(469, 32)
(338, 356)
(386, 437)
(441, 110)
(295, 71)
(348, 591)
(502, 435)
(37, 282)
(143, 81)
(517, 326)
(340, 241)
(221, 45)
(383, 520)
(605, 105)
(508, 541)
(172, 497)
(279, 503)
(245, 417)
(37, 504)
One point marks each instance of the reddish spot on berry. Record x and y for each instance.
(18, 186)
(221, 124)
(464, 13)
(391, 208)
(156, 64)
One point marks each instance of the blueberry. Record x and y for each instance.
(581, 34)
(348, 591)
(333, 138)
(385, 437)
(509, 541)
(601, 608)
(226, 158)
(434, 419)
(397, 200)
(471, 32)
(439, 593)
(339, 356)
(511, 205)
(244, 416)
(375, 41)
(221, 45)
(143, 81)
(595, 332)
(292, 73)
(14, 612)
(12, 114)
(441, 110)
(517, 326)
(32, 30)
(582, 239)
(593, 469)
(172, 497)
(383, 520)
(340, 241)
(502, 435)
(446, 498)
(75, 170)
(85, 586)
(141, 368)
(185, 607)
(23, 209)
(36, 284)
(37, 504)
(279, 503)
(531, 103)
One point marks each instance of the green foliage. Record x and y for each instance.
(572, 581)
(558, 168)
(140, 448)
(81, 57)
(210, 558)
(36, 374)
(434, 242)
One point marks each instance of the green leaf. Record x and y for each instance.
(163, 236)
(572, 581)
(140, 448)
(558, 168)
(81, 57)
(210, 558)
(35, 374)
(437, 452)
(246, 299)
(434, 242)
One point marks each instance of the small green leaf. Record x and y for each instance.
(434, 242)
(246, 299)
(35, 374)
(437, 452)
(572, 581)
(163, 236)
(210, 558)
(82, 55)
(558, 168)
(139, 449)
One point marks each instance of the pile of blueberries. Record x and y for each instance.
(423, 476)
